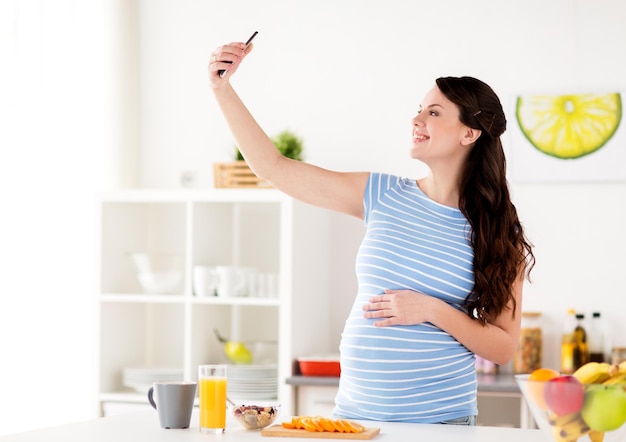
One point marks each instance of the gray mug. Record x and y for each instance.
(174, 402)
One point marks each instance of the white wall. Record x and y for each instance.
(52, 156)
(348, 75)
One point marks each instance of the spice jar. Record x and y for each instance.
(528, 354)
(618, 354)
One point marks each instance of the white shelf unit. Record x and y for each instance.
(259, 228)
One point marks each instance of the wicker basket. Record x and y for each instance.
(236, 174)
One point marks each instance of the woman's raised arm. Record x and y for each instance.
(340, 191)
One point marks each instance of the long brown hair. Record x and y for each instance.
(500, 246)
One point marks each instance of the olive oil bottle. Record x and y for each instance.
(568, 343)
(581, 351)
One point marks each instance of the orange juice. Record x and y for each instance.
(212, 403)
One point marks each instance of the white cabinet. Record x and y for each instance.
(316, 400)
(257, 228)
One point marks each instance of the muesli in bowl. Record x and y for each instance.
(254, 416)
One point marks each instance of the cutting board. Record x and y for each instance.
(279, 431)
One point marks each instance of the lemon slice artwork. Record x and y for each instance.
(569, 126)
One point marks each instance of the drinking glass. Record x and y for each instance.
(212, 392)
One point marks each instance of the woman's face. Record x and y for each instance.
(438, 134)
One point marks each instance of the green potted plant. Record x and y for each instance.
(288, 144)
(238, 174)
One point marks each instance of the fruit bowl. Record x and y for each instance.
(567, 410)
(254, 417)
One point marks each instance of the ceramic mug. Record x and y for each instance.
(232, 281)
(205, 281)
(174, 402)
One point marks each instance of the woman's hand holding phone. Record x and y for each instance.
(228, 54)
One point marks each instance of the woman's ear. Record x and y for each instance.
(470, 136)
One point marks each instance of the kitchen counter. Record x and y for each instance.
(501, 386)
(144, 426)
(488, 383)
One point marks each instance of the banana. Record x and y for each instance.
(615, 380)
(569, 428)
(594, 372)
(618, 375)
(561, 421)
(596, 436)
(558, 438)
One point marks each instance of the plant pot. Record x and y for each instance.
(236, 174)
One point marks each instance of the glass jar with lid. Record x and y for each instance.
(527, 357)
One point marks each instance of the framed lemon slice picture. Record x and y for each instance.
(568, 137)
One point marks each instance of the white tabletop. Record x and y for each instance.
(144, 426)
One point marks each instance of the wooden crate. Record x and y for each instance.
(236, 174)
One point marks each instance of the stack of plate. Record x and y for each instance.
(142, 378)
(252, 382)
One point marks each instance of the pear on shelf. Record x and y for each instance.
(235, 351)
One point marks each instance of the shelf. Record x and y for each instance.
(129, 398)
(261, 230)
(194, 195)
(268, 302)
(177, 299)
(142, 298)
(126, 397)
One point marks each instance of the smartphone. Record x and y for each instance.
(221, 72)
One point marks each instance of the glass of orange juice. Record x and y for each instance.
(212, 392)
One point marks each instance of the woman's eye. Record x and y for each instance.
(433, 113)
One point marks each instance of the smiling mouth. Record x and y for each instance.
(419, 137)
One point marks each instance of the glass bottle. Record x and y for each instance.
(528, 354)
(581, 351)
(618, 355)
(568, 343)
(596, 338)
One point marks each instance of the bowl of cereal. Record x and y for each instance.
(254, 416)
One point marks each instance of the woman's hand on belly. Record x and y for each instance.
(398, 307)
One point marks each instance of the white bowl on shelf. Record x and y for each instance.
(159, 273)
(160, 283)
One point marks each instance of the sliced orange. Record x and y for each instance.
(321, 424)
(309, 424)
(354, 427)
(327, 424)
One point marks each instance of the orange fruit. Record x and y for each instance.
(535, 384)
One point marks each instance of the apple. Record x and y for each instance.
(604, 408)
(564, 395)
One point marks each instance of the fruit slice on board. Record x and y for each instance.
(569, 126)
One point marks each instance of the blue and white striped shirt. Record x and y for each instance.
(415, 373)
